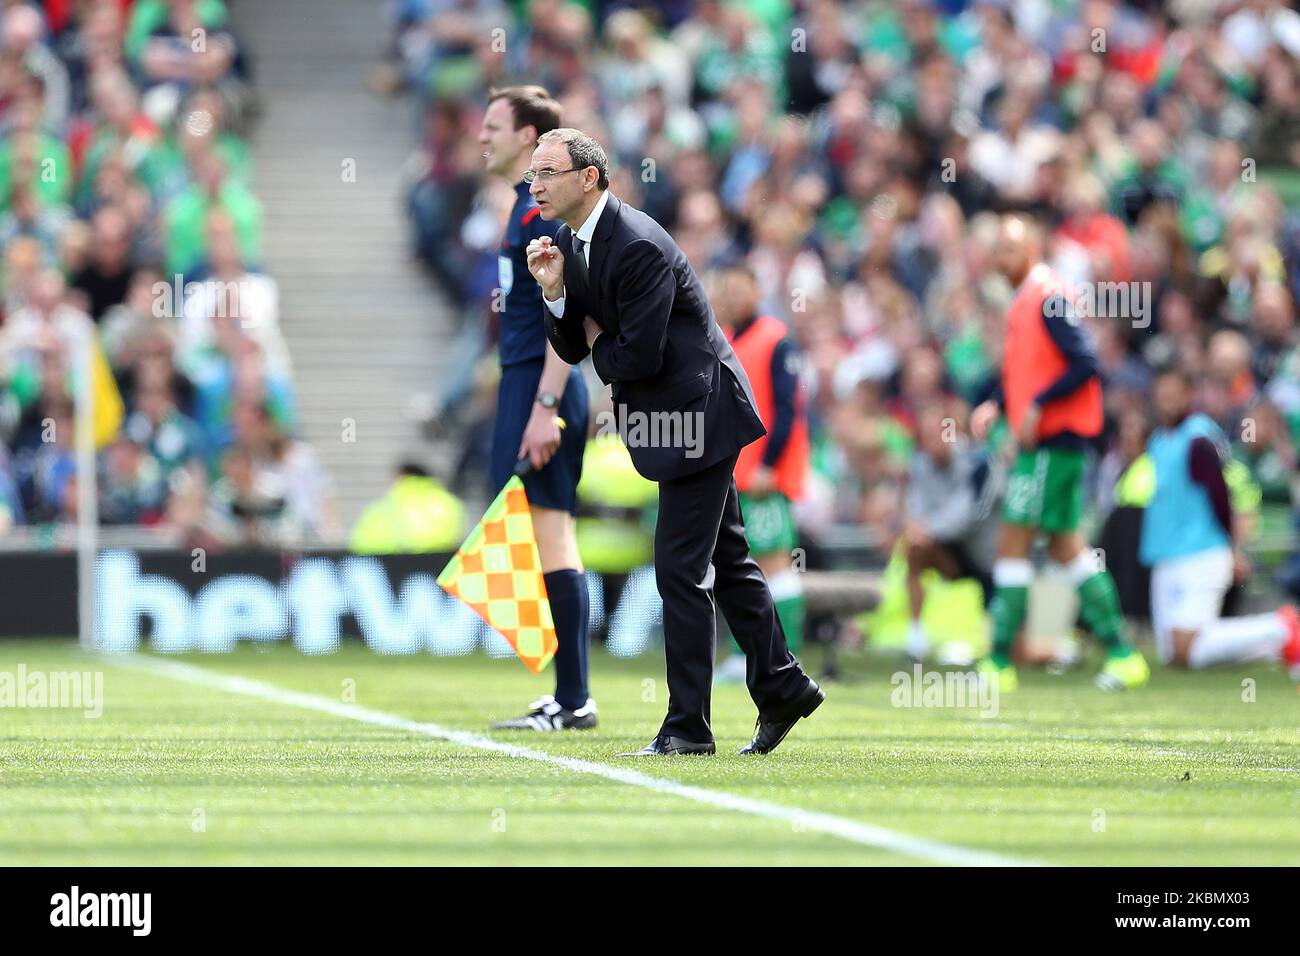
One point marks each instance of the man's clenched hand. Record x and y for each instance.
(546, 263)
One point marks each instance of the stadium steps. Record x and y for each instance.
(363, 324)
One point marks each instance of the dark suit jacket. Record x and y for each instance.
(662, 350)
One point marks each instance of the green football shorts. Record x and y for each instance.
(1045, 490)
(769, 523)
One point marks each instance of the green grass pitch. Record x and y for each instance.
(1184, 772)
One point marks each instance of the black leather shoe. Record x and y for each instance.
(771, 729)
(665, 746)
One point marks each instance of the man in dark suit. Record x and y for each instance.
(618, 288)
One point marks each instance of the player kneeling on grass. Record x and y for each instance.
(1188, 540)
(952, 523)
(1051, 393)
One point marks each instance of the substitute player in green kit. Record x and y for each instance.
(1051, 394)
(771, 472)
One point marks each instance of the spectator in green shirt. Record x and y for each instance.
(31, 157)
(187, 218)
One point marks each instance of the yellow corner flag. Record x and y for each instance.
(498, 573)
(108, 408)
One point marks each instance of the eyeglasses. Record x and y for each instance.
(546, 175)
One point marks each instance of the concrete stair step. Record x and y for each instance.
(366, 328)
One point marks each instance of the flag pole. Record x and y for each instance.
(87, 488)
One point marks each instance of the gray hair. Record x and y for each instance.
(583, 151)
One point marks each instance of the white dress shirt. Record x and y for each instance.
(585, 232)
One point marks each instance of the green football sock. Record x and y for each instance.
(1099, 608)
(791, 611)
(1010, 604)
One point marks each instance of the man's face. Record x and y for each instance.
(1172, 399)
(1012, 253)
(736, 298)
(501, 142)
(112, 239)
(935, 433)
(1132, 435)
(560, 196)
(1273, 315)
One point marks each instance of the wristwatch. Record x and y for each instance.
(548, 399)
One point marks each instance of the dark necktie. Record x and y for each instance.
(578, 247)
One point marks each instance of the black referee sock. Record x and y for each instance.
(567, 591)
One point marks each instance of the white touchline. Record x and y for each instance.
(863, 833)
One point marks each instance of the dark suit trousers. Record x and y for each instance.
(701, 554)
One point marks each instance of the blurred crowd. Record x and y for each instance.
(857, 155)
(126, 211)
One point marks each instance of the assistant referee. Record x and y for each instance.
(538, 390)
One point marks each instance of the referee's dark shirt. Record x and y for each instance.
(523, 332)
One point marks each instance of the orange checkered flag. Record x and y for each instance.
(498, 573)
